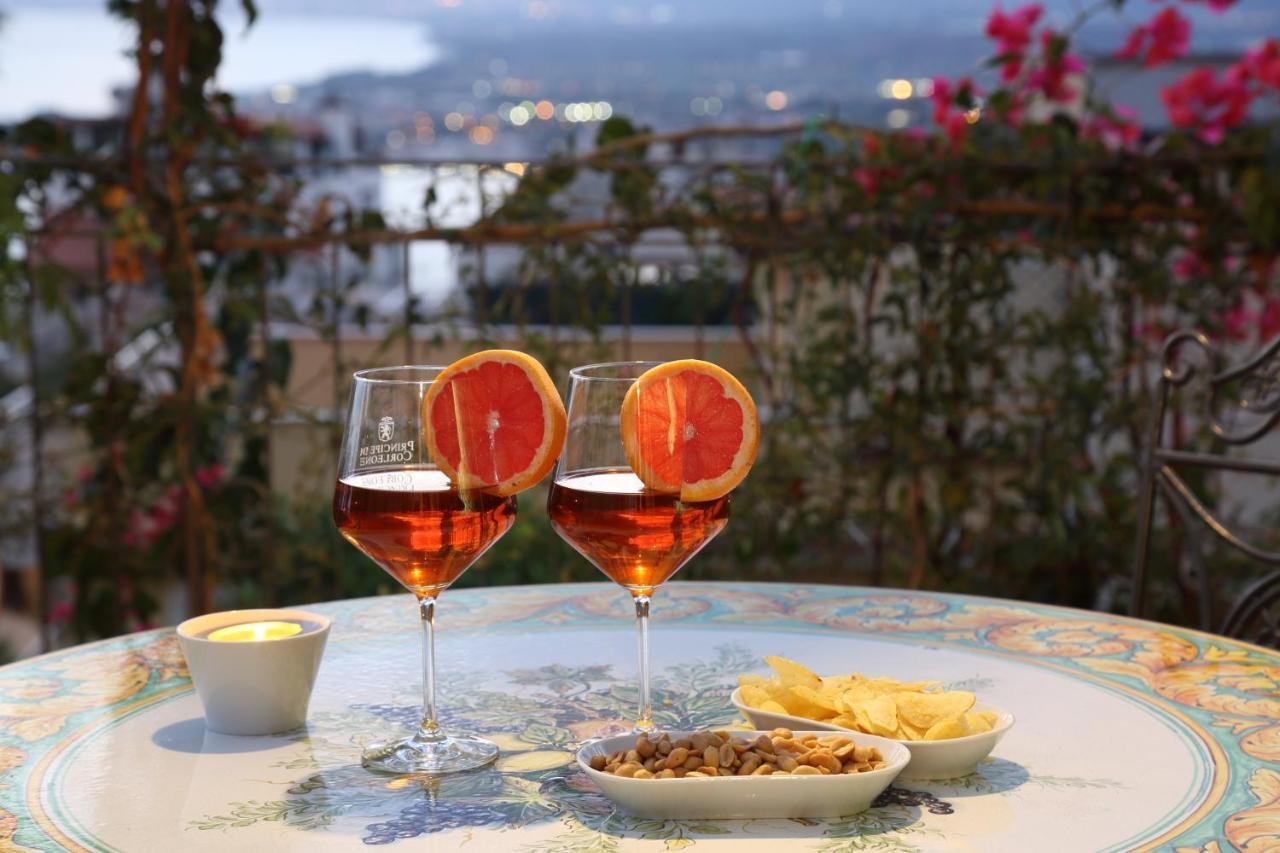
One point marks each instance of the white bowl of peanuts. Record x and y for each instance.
(739, 775)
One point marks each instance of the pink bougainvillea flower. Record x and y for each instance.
(867, 179)
(1269, 322)
(1012, 34)
(1238, 323)
(60, 613)
(1163, 39)
(1117, 129)
(1050, 79)
(941, 97)
(1210, 106)
(1187, 266)
(956, 127)
(1262, 64)
(950, 103)
(211, 475)
(1012, 30)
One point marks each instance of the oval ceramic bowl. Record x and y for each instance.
(743, 797)
(930, 759)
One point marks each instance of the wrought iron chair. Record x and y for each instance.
(1241, 420)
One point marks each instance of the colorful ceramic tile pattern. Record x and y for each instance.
(1130, 735)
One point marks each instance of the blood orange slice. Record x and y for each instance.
(494, 421)
(690, 427)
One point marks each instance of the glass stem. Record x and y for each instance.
(429, 730)
(644, 717)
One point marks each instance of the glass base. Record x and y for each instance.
(436, 757)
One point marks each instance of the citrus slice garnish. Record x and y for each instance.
(494, 421)
(690, 427)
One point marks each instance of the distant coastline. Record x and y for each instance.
(68, 59)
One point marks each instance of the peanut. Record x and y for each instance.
(712, 754)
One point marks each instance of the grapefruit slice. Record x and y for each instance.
(689, 427)
(494, 421)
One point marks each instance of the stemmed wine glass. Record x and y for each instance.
(394, 503)
(637, 536)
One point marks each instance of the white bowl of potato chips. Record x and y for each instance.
(947, 731)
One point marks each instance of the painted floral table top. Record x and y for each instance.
(1129, 734)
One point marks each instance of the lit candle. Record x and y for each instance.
(255, 632)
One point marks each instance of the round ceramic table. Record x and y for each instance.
(1129, 734)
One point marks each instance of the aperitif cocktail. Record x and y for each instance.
(652, 452)
(431, 460)
(418, 526)
(636, 536)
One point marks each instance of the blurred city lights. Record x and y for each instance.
(481, 135)
(481, 89)
(395, 138)
(601, 110)
(453, 121)
(544, 110)
(776, 100)
(283, 93)
(901, 89)
(924, 87)
(898, 119)
(516, 169)
(519, 116)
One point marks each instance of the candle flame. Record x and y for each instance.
(255, 632)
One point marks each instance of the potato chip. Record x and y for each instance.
(904, 710)
(925, 709)
(882, 714)
(906, 731)
(980, 721)
(846, 722)
(822, 699)
(918, 686)
(949, 728)
(792, 673)
(854, 695)
(799, 705)
(754, 695)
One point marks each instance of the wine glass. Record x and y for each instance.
(638, 537)
(394, 503)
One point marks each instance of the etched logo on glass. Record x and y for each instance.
(386, 428)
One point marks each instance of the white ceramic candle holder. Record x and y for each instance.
(257, 687)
